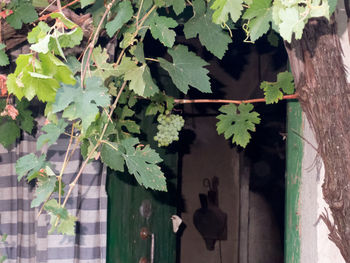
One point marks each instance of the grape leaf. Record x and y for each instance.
(141, 81)
(34, 77)
(85, 3)
(30, 165)
(273, 90)
(186, 70)
(4, 60)
(9, 132)
(160, 29)
(237, 122)
(124, 13)
(53, 131)
(23, 13)
(260, 16)
(79, 103)
(25, 118)
(273, 38)
(40, 3)
(291, 23)
(178, 6)
(225, 7)
(73, 64)
(104, 69)
(138, 52)
(38, 32)
(66, 222)
(70, 39)
(142, 163)
(210, 35)
(45, 186)
(112, 156)
(129, 125)
(332, 6)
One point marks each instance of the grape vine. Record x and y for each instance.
(91, 91)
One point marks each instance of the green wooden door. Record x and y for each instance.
(132, 209)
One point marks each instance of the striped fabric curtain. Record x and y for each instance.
(28, 240)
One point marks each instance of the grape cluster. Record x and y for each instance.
(168, 129)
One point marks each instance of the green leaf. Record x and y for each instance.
(111, 156)
(178, 6)
(211, 35)
(83, 104)
(4, 60)
(225, 7)
(53, 132)
(23, 13)
(237, 122)
(38, 77)
(66, 222)
(71, 39)
(291, 23)
(9, 132)
(55, 68)
(73, 64)
(286, 81)
(124, 13)
(160, 29)
(25, 118)
(13, 87)
(273, 90)
(260, 16)
(40, 3)
(3, 237)
(186, 70)
(273, 38)
(153, 108)
(150, 87)
(142, 163)
(103, 69)
(30, 165)
(137, 83)
(46, 185)
(139, 53)
(332, 6)
(39, 32)
(85, 3)
(128, 124)
(68, 23)
(67, 226)
(44, 88)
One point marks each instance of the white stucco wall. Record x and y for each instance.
(315, 245)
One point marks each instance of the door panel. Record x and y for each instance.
(126, 218)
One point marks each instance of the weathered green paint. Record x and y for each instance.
(293, 179)
(125, 196)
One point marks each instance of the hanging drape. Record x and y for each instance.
(28, 240)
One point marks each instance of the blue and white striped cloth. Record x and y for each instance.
(28, 240)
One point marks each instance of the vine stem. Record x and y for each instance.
(188, 101)
(44, 17)
(72, 185)
(92, 43)
(139, 25)
(64, 165)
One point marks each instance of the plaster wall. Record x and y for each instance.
(315, 245)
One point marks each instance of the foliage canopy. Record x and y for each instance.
(92, 97)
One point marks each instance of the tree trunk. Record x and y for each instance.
(320, 80)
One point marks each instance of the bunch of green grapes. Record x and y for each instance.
(168, 128)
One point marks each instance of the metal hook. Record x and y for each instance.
(207, 183)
